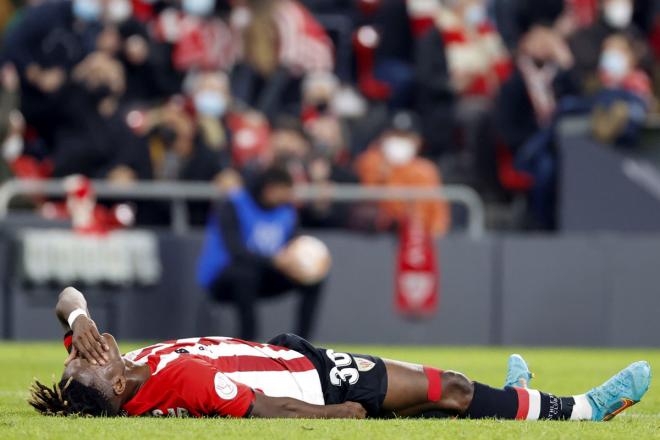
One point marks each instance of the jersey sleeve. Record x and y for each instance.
(209, 392)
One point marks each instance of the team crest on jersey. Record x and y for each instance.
(224, 387)
(363, 364)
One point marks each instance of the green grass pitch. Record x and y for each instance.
(560, 371)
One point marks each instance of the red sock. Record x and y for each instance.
(434, 393)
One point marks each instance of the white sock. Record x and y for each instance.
(582, 409)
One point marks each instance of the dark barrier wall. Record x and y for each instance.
(581, 290)
(555, 291)
(634, 290)
(578, 290)
(603, 189)
(359, 301)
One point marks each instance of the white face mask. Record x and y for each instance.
(614, 63)
(87, 10)
(398, 150)
(200, 8)
(12, 148)
(210, 103)
(618, 14)
(475, 15)
(119, 10)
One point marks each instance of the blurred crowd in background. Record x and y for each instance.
(377, 92)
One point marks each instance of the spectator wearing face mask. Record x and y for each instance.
(622, 105)
(45, 45)
(209, 93)
(615, 17)
(393, 161)
(178, 151)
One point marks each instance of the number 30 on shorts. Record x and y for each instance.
(341, 372)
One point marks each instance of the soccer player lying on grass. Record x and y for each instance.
(288, 377)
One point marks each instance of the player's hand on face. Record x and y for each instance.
(88, 342)
(348, 410)
(72, 355)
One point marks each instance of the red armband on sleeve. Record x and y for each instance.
(68, 340)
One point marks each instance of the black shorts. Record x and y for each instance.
(344, 376)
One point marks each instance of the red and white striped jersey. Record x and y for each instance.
(304, 45)
(219, 376)
(203, 44)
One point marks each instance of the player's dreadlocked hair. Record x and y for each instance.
(69, 397)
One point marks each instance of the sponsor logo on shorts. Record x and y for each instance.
(363, 364)
(224, 387)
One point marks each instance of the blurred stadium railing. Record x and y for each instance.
(178, 193)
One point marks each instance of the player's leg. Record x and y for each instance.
(518, 374)
(413, 390)
(412, 387)
(238, 284)
(274, 283)
(620, 392)
(307, 308)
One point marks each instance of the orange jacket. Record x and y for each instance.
(373, 169)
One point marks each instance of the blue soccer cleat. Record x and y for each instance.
(518, 374)
(622, 391)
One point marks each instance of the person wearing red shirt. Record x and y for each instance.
(290, 378)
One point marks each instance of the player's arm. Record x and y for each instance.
(285, 407)
(204, 390)
(73, 314)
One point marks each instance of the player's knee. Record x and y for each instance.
(457, 389)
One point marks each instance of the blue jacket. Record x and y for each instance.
(259, 232)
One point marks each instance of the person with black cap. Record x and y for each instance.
(245, 254)
(393, 160)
